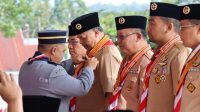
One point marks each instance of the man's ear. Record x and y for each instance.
(96, 31)
(53, 50)
(139, 37)
(170, 27)
(198, 29)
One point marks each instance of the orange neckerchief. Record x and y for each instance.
(94, 50)
(185, 71)
(125, 66)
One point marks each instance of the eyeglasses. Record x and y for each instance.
(73, 42)
(187, 26)
(121, 37)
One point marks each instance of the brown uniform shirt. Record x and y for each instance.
(132, 89)
(164, 78)
(190, 101)
(105, 77)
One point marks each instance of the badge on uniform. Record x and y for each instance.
(129, 86)
(194, 69)
(164, 70)
(164, 59)
(78, 26)
(121, 20)
(163, 78)
(196, 64)
(186, 10)
(134, 71)
(191, 87)
(162, 64)
(158, 79)
(154, 6)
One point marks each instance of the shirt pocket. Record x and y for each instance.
(131, 84)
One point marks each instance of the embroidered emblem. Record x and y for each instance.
(157, 79)
(191, 87)
(195, 64)
(129, 86)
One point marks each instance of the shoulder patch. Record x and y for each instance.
(149, 54)
(179, 45)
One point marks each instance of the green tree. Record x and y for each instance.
(37, 15)
(11, 16)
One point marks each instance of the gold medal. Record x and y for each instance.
(191, 87)
(157, 79)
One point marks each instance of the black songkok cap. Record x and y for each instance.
(123, 22)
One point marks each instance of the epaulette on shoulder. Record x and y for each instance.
(149, 54)
(179, 45)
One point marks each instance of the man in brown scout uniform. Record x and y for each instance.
(163, 71)
(131, 37)
(188, 89)
(100, 46)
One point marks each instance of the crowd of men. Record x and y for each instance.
(97, 79)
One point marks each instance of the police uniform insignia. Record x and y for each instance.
(191, 87)
(186, 10)
(121, 20)
(154, 6)
(195, 64)
(162, 64)
(78, 26)
(155, 70)
(158, 79)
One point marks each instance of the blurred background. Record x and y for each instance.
(20, 20)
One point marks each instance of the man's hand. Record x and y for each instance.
(91, 62)
(9, 90)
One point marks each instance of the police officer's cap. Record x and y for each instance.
(85, 22)
(123, 22)
(52, 37)
(164, 10)
(190, 11)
